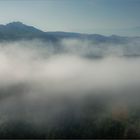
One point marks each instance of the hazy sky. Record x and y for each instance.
(89, 16)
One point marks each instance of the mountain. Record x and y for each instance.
(18, 31)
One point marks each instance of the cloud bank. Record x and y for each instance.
(38, 85)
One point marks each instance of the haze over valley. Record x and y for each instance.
(68, 85)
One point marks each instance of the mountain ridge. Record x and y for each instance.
(17, 31)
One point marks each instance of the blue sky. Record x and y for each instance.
(106, 17)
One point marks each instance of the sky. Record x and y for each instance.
(105, 17)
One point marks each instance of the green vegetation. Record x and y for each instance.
(94, 118)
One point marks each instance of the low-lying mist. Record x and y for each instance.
(49, 93)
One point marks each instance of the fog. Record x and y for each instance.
(41, 86)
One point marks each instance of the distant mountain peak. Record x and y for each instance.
(17, 30)
(19, 24)
(15, 23)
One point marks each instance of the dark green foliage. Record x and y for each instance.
(93, 119)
